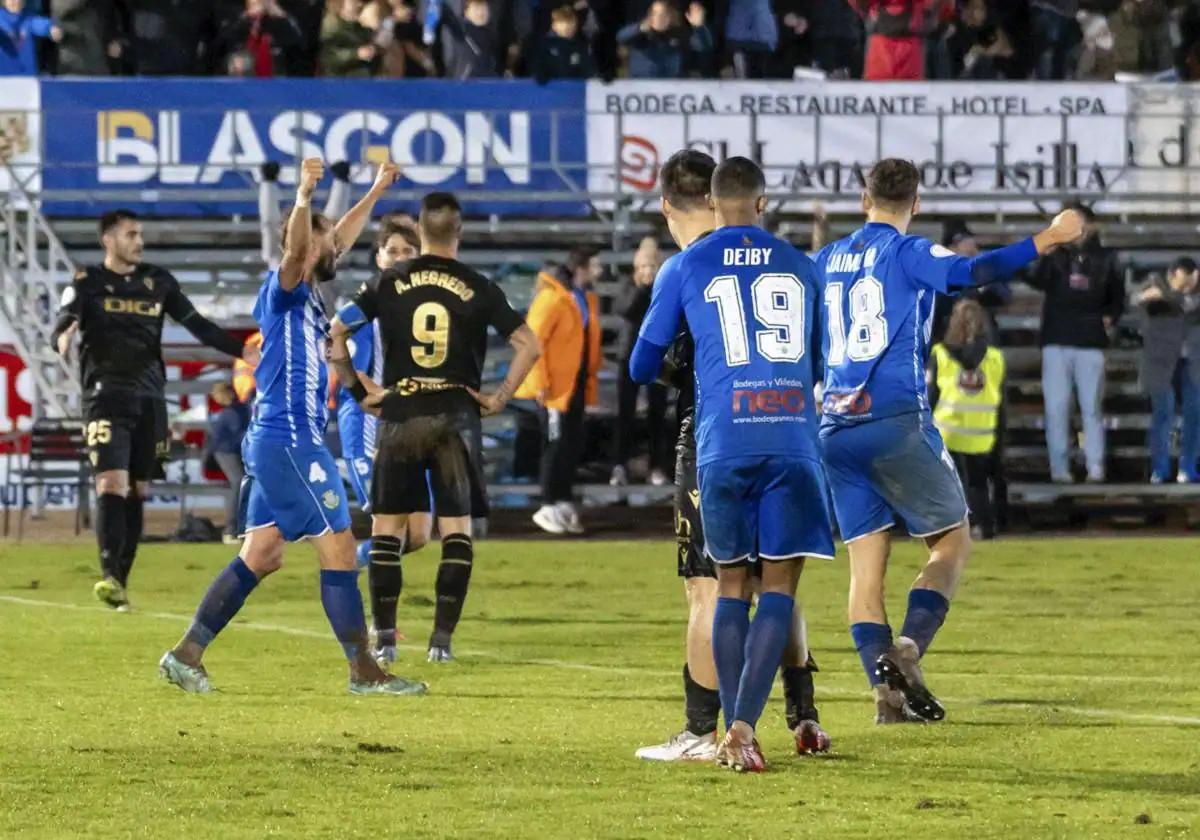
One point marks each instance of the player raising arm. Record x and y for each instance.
(292, 489)
(750, 301)
(117, 308)
(883, 455)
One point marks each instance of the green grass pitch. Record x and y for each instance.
(1067, 667)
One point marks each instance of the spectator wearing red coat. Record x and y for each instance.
(896, 37)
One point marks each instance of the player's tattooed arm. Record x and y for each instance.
(299, 227)
(526, 351)
(364, 390)
(350, 226)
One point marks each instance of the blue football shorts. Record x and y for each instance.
(769, 507)
(296, 489)
(892, 469)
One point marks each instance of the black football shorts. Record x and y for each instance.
(429, 459)
(126, 432)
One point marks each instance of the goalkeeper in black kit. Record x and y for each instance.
(117, 308)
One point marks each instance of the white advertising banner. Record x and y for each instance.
(20, 131)
(979, 146)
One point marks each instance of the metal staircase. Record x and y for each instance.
(34, 269)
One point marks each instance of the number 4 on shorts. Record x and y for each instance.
(316, 475)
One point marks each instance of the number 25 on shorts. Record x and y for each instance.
(99, 432)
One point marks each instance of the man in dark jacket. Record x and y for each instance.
(91, 36)
(1056, 37)
(660, 48)
(224, 443)
(265, 33)
(751, 34)
(1084, 297)
(163, 37)
(471, 45)
(632, 307)
(562, 54)
(1170, 357)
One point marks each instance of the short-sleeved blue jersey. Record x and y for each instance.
(291, 379)
(366, 354)
(751, 305)
(878, 294)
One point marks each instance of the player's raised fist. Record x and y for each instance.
(311, 172)
(1067, 226)
(388, 174)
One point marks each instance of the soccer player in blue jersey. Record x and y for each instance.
(884, 458)
(750, 302)
(292, 489)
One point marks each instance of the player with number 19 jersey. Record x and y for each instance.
(752, 308)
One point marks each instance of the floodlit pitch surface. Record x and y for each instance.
(1068, 670)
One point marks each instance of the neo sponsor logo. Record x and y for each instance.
(769, 401)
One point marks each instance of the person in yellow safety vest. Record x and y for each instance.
(966, 390)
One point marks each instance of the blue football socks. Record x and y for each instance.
(872, 642)
(926, 612)
(765, 643)
(731, 625)
(221, 602)
(344, 608)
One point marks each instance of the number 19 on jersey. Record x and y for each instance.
(778, 303)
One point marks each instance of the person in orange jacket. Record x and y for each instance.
(565, 316)
(243, 374)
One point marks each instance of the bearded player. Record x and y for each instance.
(117, 308)
(292, 489)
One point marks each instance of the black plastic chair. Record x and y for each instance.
(57, 457)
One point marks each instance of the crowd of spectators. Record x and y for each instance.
(580, 39)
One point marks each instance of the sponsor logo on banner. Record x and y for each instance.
(1015, 141)
(168, 138)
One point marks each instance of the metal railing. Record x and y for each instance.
(34, 267)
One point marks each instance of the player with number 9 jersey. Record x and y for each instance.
(751, 304)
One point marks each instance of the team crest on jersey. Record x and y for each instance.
(316, 475)
(330, 499)
(148, 281)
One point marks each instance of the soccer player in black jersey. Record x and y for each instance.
(433, 313)
(117, 308)
(685, 180)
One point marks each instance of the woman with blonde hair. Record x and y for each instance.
(966, 391)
